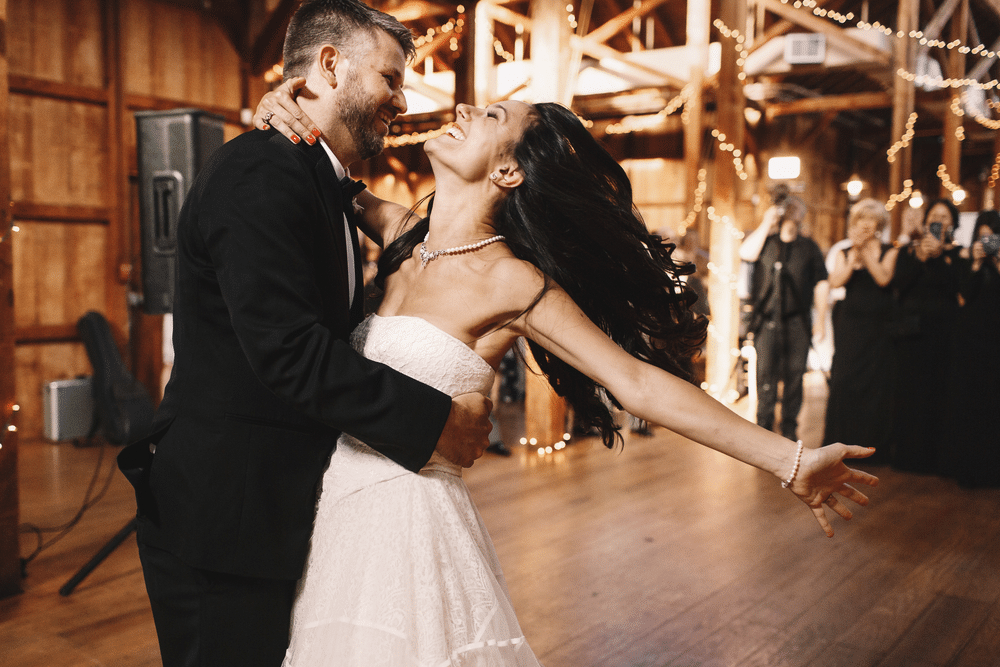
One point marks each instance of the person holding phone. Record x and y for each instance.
(973, 457)
(926, 282)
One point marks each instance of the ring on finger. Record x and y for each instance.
(267, 117)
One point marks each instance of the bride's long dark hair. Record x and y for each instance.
(574, 219)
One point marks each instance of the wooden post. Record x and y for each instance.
(698, 18)
(549, 50)
(903, 95)
(723, 243)
(10, 551)
(951, 154)
(544, 410)
(465, 64)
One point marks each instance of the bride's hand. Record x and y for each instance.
(286, 115)
(823, 476)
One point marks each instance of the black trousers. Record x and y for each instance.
(782, 351)
(209, 619)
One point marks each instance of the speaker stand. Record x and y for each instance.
(89, 566)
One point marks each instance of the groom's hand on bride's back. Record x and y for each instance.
(466, 434)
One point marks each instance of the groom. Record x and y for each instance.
(269, 289)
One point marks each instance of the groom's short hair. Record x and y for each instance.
(345, 24)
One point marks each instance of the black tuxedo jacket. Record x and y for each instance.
(264, 379)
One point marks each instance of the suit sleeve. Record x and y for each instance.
(263, 224)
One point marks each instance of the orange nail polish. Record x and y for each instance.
(310, 139)
(317, 133)
(295, 138)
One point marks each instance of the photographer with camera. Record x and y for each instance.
(926, 281)
(972, 455)
(787, 270)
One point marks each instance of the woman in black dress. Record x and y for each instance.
(860, 375)
(926, 281)
(972, 450)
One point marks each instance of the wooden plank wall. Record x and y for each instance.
(10, 571)
(75, 72)
(78, 70)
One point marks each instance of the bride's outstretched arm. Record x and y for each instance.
(381, 220)
(558, 325)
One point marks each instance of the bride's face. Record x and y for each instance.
(480, 139)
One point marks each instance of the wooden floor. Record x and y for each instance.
(663, 554)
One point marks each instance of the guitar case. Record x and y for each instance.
(124, 407)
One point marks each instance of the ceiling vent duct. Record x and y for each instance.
(805, 48)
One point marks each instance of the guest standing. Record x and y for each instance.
(926, 281)
(787, 269)
(860, 397)
(972, 452)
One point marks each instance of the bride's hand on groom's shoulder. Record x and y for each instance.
(466, 434)
(278, 109)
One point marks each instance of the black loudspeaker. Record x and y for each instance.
(172, 147)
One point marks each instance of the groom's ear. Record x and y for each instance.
(327, 61)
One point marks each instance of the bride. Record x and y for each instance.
(532, 232)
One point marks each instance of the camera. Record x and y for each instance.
(991, 244)
(936, 229)
(780, 197)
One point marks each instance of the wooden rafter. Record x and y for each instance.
(828, 103)
(415, 10)
(266, 50)
(934, 27)
(815, 24)
(586, 46)
(784, 26)
(611, 28)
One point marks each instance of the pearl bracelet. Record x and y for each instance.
(795, 468)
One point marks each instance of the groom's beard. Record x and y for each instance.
(359, 117)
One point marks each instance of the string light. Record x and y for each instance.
(902, 196)
(914, 35)
(699, 200)
(941, 82)
(413, 138)
(546, 449)
(953, 188)
(453, 25)
(995, 171)
(503, 53)
(11, 229)
(905, 140)
(639, 123)
(740, 45)
(737, 154)
(9, 427)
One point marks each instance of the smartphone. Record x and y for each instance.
(991, 244)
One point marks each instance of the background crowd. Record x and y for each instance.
(916, 324)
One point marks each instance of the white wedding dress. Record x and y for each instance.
(401, 571)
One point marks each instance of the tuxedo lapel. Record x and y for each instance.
(327, 183)
(357, 306)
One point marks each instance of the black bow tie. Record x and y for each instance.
(350, 187)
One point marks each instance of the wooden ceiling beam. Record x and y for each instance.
(828, 103)
(433, 46)
(586, 46)
(784, 26)
(934, 27)
(822, 26)
(414, 10)
(266, 50)
(612, 27)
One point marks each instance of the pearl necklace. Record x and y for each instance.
(429, 256)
